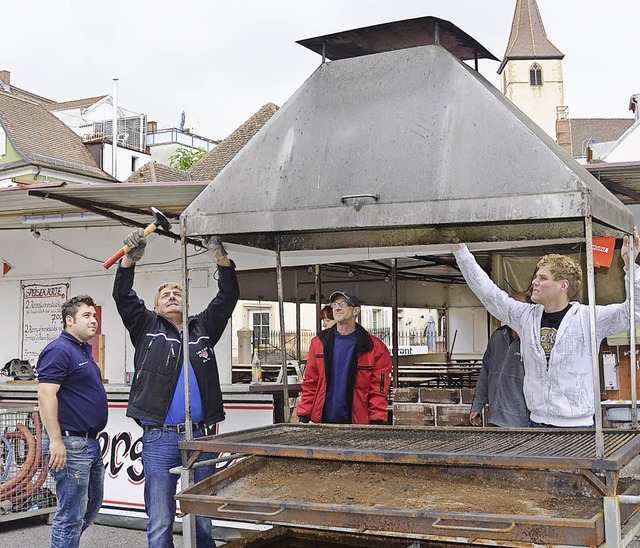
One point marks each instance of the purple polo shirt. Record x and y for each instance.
(82, 399)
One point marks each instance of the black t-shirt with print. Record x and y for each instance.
(549, 329)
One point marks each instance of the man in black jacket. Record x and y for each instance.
(157, 399)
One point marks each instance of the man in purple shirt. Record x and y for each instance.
(73, 406)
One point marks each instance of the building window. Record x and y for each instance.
(260, 323)
(378, 319)
(535, 75)
(134, 163)
(379, 326)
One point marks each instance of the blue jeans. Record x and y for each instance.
(79, 489)
(160, 452)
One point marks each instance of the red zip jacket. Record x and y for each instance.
(368, 379)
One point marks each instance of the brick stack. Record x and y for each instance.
(432, 406)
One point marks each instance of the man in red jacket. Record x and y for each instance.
(348, 371)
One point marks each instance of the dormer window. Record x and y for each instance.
(535, 75)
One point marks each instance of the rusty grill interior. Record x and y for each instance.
(526, 448)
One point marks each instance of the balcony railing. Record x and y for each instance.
(175, 136)
(132, 131)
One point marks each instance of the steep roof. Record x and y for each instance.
(154, 172)
(76, 103)
(603, 151)
(586, 131)
(528, 39)
(210, 165)
(41, 139)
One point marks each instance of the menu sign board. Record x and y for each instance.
(41, 316)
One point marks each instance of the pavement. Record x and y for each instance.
(35, 533)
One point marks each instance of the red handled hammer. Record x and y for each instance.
(159, 221)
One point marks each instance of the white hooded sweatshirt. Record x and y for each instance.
(560, 393)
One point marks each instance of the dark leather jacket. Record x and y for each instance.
(158, 348)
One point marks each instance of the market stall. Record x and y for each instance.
(393, 151)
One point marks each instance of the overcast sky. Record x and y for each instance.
(221, 61)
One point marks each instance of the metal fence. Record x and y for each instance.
(26, 488)
(270, 348)
(412, 337)
(269, 345)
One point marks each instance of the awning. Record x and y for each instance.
(50, 205)
(621, 178)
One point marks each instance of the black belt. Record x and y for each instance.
(79, 434)
(179, 428)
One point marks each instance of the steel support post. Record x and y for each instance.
(612, 525)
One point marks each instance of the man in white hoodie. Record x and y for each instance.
(554, 333)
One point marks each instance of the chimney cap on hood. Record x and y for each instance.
(409, 33)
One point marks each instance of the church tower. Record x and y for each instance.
(531, 71)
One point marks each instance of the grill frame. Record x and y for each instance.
(550, 460)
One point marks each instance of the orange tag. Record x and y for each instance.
(603, 250)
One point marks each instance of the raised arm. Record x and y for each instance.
(625, 247)
(219, 310)
(497, 302)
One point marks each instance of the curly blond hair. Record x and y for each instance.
(563, 268)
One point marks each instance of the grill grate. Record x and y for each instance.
(564, 448)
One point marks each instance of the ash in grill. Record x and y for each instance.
(419, 488)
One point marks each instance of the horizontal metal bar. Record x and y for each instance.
(629, 499)
(224, 508)
(208, 462)
(439, 524)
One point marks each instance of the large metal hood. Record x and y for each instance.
(412, 140)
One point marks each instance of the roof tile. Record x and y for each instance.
(41, 139)
(153, 172)
(528, 39)
(586, 131)
(76, 103)
(213, 162)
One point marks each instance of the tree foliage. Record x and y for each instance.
(184, 158)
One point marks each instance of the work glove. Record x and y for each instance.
(137, 242)
(214, 244)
